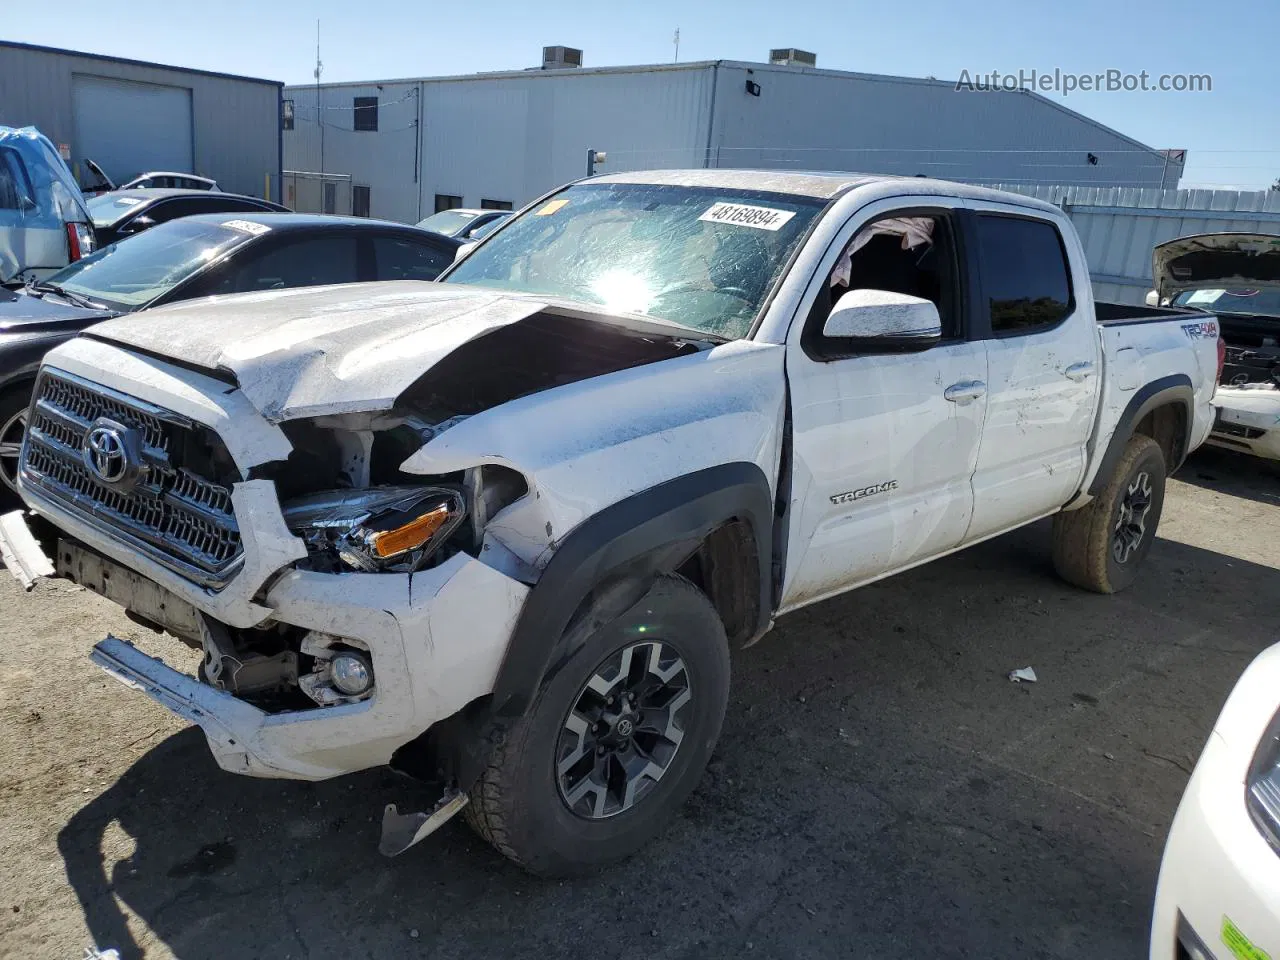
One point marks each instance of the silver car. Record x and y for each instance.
(44, 224)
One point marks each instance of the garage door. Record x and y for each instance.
(130, 128)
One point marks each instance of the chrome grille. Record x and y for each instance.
(170, 512)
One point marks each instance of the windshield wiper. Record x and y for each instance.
(75, 299)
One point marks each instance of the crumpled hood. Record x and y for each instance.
(316, 351)
(1226, 260)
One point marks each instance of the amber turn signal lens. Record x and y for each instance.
(392, 543)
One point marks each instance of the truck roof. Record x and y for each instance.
(821, 185)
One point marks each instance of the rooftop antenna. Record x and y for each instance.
(676, 41)
(319, 110)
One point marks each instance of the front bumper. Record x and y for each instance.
(1220, 879)
(1249, 421)
(436, 639)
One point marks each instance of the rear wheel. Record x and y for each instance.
(615, 741)
(1100, 546)
(13, 422)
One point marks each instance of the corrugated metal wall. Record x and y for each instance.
(235, 121)
(511, 136)
(824, 120)
(506, 137)
(1119, 227)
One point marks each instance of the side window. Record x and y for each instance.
(911, 253)
(1025, 276)
(400, 259)
(302, 263)
(15, 188)
(167, 210)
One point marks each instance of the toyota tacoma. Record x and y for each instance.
(502, 530)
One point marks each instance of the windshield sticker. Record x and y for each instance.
(741, 215)
(248, 226)
(127, 201)
(550, 207)
(1205, 296)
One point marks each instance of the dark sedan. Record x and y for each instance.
(122, 213)
(193, 257)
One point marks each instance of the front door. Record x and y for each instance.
(885, 445)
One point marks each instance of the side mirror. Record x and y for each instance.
(1153, 298)
(884, 321)
(463, 250)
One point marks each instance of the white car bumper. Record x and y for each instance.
(1249, 420)
(436, 641)
(1219, 888)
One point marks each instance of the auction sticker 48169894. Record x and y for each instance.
(742, 215)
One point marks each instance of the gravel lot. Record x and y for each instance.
(880, 790)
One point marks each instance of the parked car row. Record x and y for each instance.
(196, 256)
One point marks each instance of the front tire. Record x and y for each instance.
(13, 421)
(1101, 546)
(614, 742)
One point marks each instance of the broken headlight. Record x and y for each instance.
(1263, 789)
(380, 529)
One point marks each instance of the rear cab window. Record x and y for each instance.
(1026, 278)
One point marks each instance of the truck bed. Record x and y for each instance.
(1112, 314)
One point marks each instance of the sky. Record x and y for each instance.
(1231, 131)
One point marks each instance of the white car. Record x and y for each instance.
(1235, 276)
(1219, 892)
(507, 525)
(154, 179)
(464, 223)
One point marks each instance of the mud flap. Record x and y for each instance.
(402, 831)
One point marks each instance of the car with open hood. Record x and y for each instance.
(1236, 276)
(501, 531)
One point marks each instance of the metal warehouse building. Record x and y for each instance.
(130, 117)
(411, 147)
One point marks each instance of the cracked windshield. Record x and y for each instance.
(704, 259)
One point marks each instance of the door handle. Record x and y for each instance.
(965, 391)
(1079, 371)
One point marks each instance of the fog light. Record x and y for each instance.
(351, 673)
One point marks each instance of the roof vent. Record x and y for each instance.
(560, 58)
(791, 57)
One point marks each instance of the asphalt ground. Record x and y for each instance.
(881, 789)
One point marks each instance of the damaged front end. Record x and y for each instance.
(346, 602)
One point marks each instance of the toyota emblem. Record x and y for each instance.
(106, 451)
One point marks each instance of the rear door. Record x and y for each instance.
(884, 444)
(1042, 368)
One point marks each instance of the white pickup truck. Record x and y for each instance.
(502, 530)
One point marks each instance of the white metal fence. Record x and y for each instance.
(1119, 225)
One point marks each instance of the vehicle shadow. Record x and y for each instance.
(1238, 474)
(880, 789)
